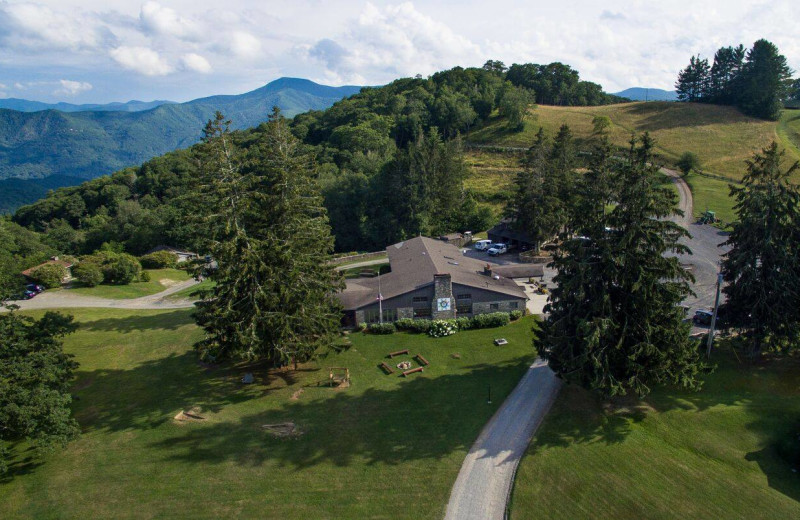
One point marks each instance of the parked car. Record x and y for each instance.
(482, 245)
(702, 317)
(498, 249)
(26, 295)
(32, 287)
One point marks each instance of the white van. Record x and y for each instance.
(482, 245)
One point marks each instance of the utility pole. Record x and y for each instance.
(714, 316)
(380, 299)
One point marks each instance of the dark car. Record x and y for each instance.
(32, 287)
(702, 317)
(26, 295)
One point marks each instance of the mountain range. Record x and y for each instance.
(80, 145)
(24, 105)
(648, 94)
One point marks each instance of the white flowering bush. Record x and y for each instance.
(442, 328)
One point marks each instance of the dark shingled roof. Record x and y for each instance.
(414, 264)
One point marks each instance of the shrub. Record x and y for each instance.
(159, 260)
(49, 275)
(411, 325)
(441, 328)
(515, 315)
(361, 327)
(688, 162)
(122, 269)
(494, 319)
(144, 277)
(381, 328)
(88, 273)
(464, 323)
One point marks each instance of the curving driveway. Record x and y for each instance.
(66, 299)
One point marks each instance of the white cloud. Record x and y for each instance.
(195, 62)
(243, 44)
(35, 27)
(142, 60)
(72, 88)
(161, 20)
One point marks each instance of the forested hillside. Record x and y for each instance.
(85, 145)
(390, 163)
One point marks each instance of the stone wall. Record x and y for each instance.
(502, 306)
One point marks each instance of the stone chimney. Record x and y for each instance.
(443, 307)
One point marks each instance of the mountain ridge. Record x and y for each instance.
(648, 94)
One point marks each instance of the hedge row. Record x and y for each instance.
(423, 326)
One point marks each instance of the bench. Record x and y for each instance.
(398, 353)
(413, 370)
(501, 341)
(422, 360)
(387, 368)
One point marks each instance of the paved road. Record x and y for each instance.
(68, 299)
(483, 485)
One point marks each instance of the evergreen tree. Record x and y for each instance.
(764, 81)
(762, 269)
(614, 323)
(562, 163)
(693, 81)
(536, 208)
(35, 376)
(263, 223)
(725, 72)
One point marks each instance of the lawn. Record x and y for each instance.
(721, 136)
(712, 194)
(387, 447)
(193, 292)
(356, 272)
(160, 279)
(678, 454)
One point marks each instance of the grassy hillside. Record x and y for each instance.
(387, 447)
(712, 454)
(721, 136)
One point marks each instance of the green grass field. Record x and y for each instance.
(678, 454)
(191, 293)
(387, 447)
(160, 279)
(712, 194)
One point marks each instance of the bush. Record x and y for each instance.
(49, 275)
(411, 325)
(515, 315)
(122, 269)
(159, 260)
(361, 327)
(688, 162)
(464, 323)
(441, 328)
(494, 319)
(144, 277)
(88, 273)
(381, 328)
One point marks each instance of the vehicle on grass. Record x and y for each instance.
(702, 317)
(498, 249)
(482, 245)
(32, 287)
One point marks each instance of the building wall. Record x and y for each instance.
(443, 292)
(502, 306)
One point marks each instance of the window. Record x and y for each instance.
(371, 316)
(422, 312)
(512, 305)
(465, 296)
(390, 315)
(494, 306)
(420, 299)
(464, 308)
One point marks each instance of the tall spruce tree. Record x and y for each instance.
(693, 81)
(764, 81)
(614, 323)
(264, 224)
(762, 269)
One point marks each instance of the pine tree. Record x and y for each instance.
(764, 81)
(762, 269)
(693, 81)
(614, 323)
(265, 226)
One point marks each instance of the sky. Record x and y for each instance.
(98, 51)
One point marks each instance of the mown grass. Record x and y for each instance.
(722, 137)
(160, 279)
(678, 454)
(712, 194)
(357, 272)
(193, 292)
(387, 447)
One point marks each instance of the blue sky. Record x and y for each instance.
(115, 50)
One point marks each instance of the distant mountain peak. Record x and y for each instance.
(648, 94)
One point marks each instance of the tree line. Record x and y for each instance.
(756, 80)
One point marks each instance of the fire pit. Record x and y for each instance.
(404, 365)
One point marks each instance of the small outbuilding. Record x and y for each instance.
(53, 261)
(504, 232)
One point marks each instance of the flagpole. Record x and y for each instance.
(380, 298)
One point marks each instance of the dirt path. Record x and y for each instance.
(66, 299)
(483, 486)
(686, 201)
